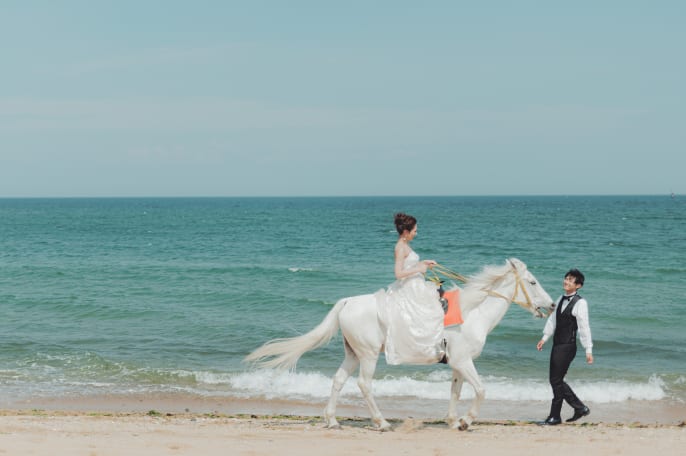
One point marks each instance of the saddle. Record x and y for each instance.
(451, 308)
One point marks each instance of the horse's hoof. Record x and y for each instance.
(332, 424)
(385, 426)
(463, 425)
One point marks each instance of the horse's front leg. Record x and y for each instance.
(467, 370)
(455, 390)
(348, 366)
(364, 381)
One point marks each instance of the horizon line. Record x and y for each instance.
(668, 194)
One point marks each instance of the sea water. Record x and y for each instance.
(168, 295)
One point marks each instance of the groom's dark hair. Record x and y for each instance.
(578, 276)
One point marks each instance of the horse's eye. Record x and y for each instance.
(533, 282)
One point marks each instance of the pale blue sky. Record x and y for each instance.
(223, 98)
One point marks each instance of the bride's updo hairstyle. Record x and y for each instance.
(404, 222)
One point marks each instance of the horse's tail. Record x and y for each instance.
(284, 353)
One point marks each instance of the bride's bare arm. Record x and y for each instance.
(401, 252)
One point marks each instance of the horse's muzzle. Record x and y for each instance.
(541, 312)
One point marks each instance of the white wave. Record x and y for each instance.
(316, 387)
(619, 391)
(294, 269)
(313, 385)
(212, 378)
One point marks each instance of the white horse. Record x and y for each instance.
(484, 301)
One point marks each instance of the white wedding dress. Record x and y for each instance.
(413, 317)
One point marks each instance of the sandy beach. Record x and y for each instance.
(166, 425)
(101, 434)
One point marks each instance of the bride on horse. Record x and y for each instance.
(410, 306)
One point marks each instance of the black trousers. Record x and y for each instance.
(561, 357)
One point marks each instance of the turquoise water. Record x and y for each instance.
(101, 296)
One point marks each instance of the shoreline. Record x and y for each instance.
(317, 420)
(663, 412)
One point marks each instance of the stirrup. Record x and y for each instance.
(442, 353)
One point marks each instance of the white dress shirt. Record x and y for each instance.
(580, 312)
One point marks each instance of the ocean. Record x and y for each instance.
(141, 296)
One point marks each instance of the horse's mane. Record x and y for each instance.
(473, 294)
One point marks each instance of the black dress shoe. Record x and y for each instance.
(578, 413)
(551, 421)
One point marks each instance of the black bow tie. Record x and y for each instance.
(568, 298)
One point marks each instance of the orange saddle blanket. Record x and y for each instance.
(453, 315)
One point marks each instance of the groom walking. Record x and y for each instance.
(570, 316)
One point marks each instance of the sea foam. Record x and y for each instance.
(314, 385)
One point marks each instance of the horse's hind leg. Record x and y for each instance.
(348, 366)
(367, 368)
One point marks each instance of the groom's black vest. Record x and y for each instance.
(565, 327)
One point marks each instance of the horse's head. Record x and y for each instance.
(529, 293)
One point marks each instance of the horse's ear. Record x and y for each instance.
(517, 263)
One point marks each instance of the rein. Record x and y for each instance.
(447, 273)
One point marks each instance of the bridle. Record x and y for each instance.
(518, 286)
